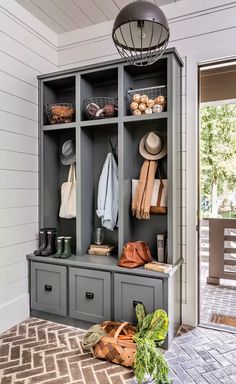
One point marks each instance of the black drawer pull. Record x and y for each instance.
(89, 295)
(135, 302)
(48, 288)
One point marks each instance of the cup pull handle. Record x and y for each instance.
(48, 288)
(135, 302)
(89, 295)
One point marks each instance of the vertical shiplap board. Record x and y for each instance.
(27, 49)
(201, 31)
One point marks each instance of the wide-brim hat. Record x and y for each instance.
(153, 145)
(68, 155)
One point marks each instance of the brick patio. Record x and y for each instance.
(219, 299)
(216, 298)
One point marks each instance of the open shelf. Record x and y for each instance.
(143, 77)
(60, 90)
(136, 229)
(96, 84)
(57, 127)
(90, 123)
(94, 147)
(143, 118)
(53, 174)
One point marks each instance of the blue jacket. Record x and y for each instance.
(107, 201)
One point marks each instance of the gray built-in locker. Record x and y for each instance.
(112, 79)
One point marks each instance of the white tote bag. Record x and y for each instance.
(68, 196)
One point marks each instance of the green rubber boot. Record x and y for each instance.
(67, 248)
(60, 247)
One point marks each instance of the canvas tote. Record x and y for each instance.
(68, 196)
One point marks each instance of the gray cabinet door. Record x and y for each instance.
(90, 295)
(48, 288)
(130, 290)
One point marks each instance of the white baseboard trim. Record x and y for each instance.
(14, 312)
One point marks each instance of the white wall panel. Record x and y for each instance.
(16, 253)
(19, 124)
(18, 143)
(10, 84)
(17, 216)
(27, 49)
(20, 34)
(18, 106)
(14, 311)
(16, 235)
(11, 273)
(18, 198)
(18, 161)
(18, 179)
(21, 70)
(8, 292)
(14, 48)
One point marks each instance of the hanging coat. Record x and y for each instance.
(107, 201)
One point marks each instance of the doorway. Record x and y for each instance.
(217, 196)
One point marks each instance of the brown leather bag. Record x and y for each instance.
(135, 254)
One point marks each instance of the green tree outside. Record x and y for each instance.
(218, 160)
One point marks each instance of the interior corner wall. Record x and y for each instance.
(201, 31)
(27, 49)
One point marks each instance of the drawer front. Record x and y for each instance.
(48, 288)
(90, 295)
(130, 290)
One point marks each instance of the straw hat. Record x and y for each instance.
(153, 146)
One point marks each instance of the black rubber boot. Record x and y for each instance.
(67, 248)
(60, 247)
(42, 241)
(51, 246)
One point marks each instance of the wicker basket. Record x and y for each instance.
(152, 104)
(100, 107)
(111, 348)
(60, 113)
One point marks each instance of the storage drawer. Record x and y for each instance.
(48, 288)
(130, 290)
(90, 295)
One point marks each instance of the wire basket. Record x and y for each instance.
(100, 107)
(60, 113)
(147, 100)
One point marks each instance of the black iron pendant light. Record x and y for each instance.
(141, 33)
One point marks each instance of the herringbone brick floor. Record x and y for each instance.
(39, 351)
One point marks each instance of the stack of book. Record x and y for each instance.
(102, 250)
(158, 267)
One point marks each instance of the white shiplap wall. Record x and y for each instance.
(202, 31)
(27, 49)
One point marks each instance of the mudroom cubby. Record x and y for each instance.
(56, 91)
(140, 229)
(95, 144)
(52, 174)
(139, 78)
(98, 84)
(93, 138)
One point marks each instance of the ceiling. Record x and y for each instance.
(67, 15)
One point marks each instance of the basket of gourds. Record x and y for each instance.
(133, 346)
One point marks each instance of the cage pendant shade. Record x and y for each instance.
(141, 33)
